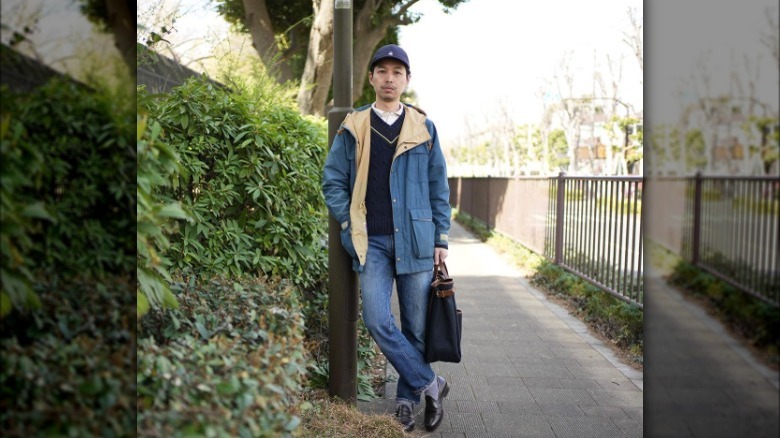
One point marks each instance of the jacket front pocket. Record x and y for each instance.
(422, 232)
(346, 242)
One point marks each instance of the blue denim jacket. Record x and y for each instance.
(418, 187)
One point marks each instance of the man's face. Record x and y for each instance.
(389, 80)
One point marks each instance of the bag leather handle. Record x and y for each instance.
(440, 276)
(441, 268)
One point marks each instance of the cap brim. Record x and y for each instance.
(376, 61)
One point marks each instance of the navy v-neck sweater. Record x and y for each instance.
(379, 210)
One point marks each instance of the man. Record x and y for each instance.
(385, 182)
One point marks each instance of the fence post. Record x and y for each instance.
(696, 218)
(559, 219)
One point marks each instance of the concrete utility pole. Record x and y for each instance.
(342, 288)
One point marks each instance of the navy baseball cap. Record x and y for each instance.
(390, 51)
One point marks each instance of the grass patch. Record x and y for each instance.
(324, 416)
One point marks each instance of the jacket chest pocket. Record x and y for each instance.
(417, 164)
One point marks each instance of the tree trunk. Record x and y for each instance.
(318, 71)
(259, 24)
(123, 27)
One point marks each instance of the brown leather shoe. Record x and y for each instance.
(434, 409)
(404, 415)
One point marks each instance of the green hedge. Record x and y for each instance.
(68, 211)
(251, 167)
(68, 201)
(67, 369)
(155, 214)
(228, 362)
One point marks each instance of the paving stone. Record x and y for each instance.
(461, 392)
(459, 379)
(502, 393)
(584, 384)
(603, 372)
(584, 427)
(524, 407)
(544, 360)
(464, 406)
(628, 426)
(479, 334)
(557, 371)
(667, 426)
(581, 397)
(542, 382)
(490, 369)
(466, 422)
(561, 409)
(440, 434)
(518, 425)
(450, 369)
(607, 412)
(618, 384)
(635, 413)
(617, 398)
(714, 427)
(504, 380)
(491, 354)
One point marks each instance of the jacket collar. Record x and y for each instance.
(413, 132)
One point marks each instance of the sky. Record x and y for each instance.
(489, 56)
(484, 57)
(716, 34)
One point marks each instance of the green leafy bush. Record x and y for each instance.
(157, 162)
(251, 171)
(67, 369)
(67, 187)
(228, 362)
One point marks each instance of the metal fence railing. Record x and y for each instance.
(591, 226)
(727, 226)
(734, 231)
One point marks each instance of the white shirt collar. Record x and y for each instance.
(388, 117)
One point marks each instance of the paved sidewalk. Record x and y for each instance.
(701, 382)
(529, 369)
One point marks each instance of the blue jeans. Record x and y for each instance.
(403, 348)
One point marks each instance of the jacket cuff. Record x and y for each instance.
(442, 241)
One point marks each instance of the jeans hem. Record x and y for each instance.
(398, 400)
(426, 387)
